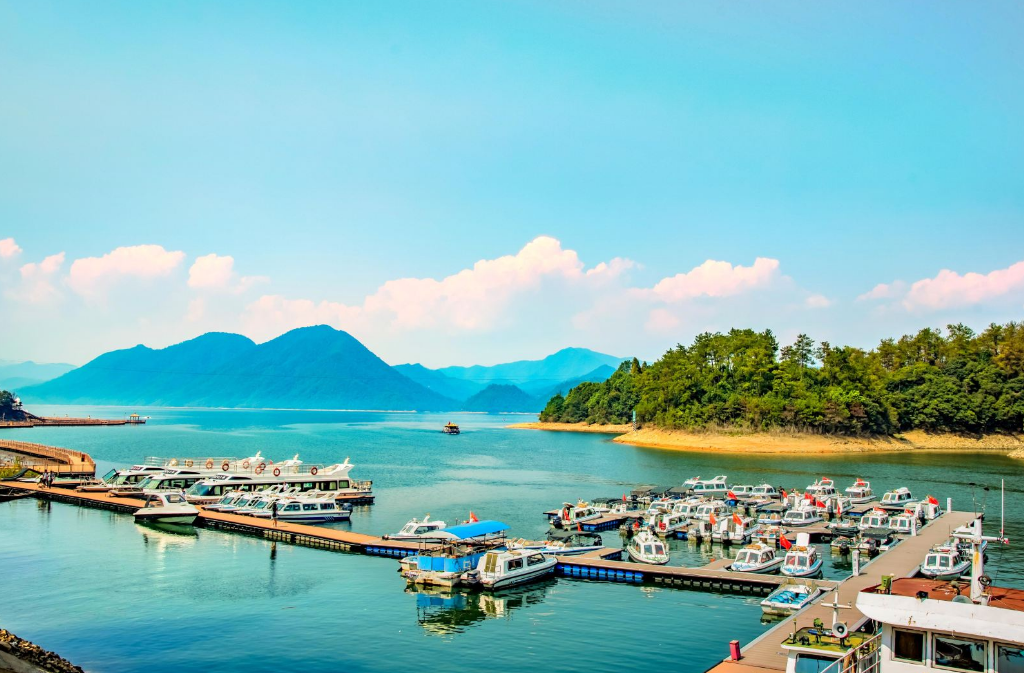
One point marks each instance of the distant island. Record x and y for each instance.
(315, 367)
(742, 383)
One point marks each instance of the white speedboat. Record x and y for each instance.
(904, 523)
(876, 518)
(715, 488)
(572, 515)
(946, 561)
(167, 508)
(647, 548)
(860, 492)
(756, 558)
(418, 530)
(306, 508)
(508, 567)
(897, 499)
(821, 489)
(667, 523)
(765, 491)
(562, 543)
(713, 508)
(735, 529)
(790, 598)
(802, 559)
(801, 517)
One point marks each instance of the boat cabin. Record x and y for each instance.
(897, 498)
(800, 517)
(876, 518)
(765, 491)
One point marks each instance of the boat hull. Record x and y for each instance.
(513, 580)
(765, 569)
(804, 572)
(654, 560)
(183, 518)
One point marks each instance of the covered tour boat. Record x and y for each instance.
(504, 568)
(450, 429)
(645, 547)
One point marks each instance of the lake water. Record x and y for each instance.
(114, 596)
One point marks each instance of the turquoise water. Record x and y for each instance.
(114, 596)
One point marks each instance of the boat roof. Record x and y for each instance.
(559, 534)
(477, 529)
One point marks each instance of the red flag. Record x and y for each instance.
(784, 542)
(808, 496)
(732, 496)
(736, 519)
(623, 497)
(819, 504)
(472, 518)
(932, 500)
(839, 507)
(713, 521)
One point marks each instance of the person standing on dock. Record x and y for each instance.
(273, 512)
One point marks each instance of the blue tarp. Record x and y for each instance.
(478, 529)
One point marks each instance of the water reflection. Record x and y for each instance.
(443, 612)
(163, 536)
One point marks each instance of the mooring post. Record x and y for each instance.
(856, 562)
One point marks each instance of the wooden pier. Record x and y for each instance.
(766, 654)
(39, 457)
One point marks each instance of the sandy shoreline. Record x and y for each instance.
(791, 442)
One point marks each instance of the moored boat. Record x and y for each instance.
(801, 517)
(503, 568)
(896, 499)
(790, 597)
(570, 516)
(645, 547)
(167, 508)
(860, 492)
(946, 561)
(756, 558)
(417, 530)
(562, 543)
(802, 559)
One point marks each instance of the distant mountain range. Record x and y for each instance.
(311, 368)
(20, 374)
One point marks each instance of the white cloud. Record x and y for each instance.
(91, 276)
(717, 279)
(217, 272)
(884, 291)
(662, 321)
(817, 301)
(949, 289)
(8, 248)
(37, 281)
(272, 314)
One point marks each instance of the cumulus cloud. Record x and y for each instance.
(37, 284)
(717, 279)
(661, 321)
(91, 276)
(273, 314)
(949, 289)
(817, 301)
(8, 248)
(884, 291)
(217, 272)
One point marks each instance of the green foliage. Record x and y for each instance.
(6, 404)
(960, 381)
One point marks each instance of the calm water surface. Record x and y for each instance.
(114, 596)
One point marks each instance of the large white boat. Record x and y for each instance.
(307, 508)
(756, 558)
(167, 508)
(713, 488)
(896, 499)
(561, 543)
(645, 547)
(209, 489)
(802, 559)
(418, 530)
(860, 492)
(503, 568)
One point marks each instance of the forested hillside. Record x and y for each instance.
(954, 381)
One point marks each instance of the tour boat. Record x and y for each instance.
(450, 429)
(860, 492)
(801, 517)
(946, 561)
(715, 487)
(572, 515)
(715, 508)
(734, 530)
(904, 523)
(228, 501)
(667, 523)
(121, 478)
(876, 518)
(821, 489)
(499, 569)
(874, 540)
(756, 558)
(768, 535)
(646, 548)
(562, 543)
(790, 598)
(335, 477)
(454, 560)
(307, 508)
(167, 508)
(896, 499)
(765, 491)
(771, 515)
(418, 530)
(742, 491)
(802, 559)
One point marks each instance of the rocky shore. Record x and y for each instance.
(20, 656)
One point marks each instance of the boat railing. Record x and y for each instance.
(239, 466)
(865, 658)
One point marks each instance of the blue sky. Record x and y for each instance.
(329, 148)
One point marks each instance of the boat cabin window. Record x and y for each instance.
(813, 663)
(535, 559)
(908, 645)
(327, 506)
(648, 549)
(174, 498)
(514, 564)
(959, 654)
(1009, 659)
(309, 507)
(292, 508)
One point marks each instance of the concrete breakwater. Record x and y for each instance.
(18, 655)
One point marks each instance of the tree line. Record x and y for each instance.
(957, 381)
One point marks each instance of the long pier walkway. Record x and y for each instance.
(64, 462)
(766, 653)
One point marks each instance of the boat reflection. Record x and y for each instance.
(445, 612)
(163, 536)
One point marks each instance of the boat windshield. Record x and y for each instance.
(148, 482)
(202, 490)
(175, 499)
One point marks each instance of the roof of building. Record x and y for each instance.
(939, 590)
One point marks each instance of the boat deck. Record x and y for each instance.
(766, 653)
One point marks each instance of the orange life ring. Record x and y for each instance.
(226, 466)
(259, 469)
(245, 464)
(277, 472)
(209, 463)
(188, 463)
(313, 471)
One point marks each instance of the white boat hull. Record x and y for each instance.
(519, 578)
(180, 518)
(763, 569)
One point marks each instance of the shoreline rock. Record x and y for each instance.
(21, 656)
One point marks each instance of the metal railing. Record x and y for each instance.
(865, 658)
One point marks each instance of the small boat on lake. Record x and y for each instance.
(801, 517)
(821, 489)
(167, 508)
(876, 518)
(450, 429)
(645, 547)
(860, 492)
(802, 559)
(756, 558)
(306, 508)
(562, 543)
(790, 597)
(947, 561)
(570, 516)
(453, 562)
(503, 568)
(896, 499)
(418, 530)
(904, 524)
(668, 523)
